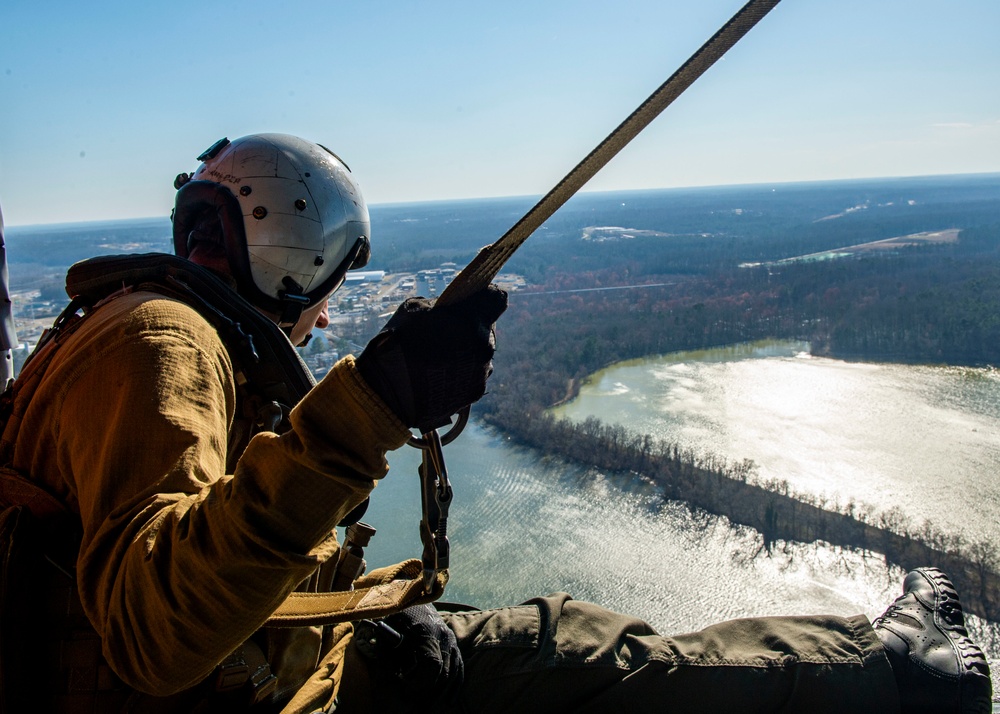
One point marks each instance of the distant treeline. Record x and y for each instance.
(933, 304)
(701, 230)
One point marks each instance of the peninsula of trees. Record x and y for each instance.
(931, 303)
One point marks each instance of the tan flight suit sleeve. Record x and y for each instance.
(180, 563)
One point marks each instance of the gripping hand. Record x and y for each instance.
(416, 652)
(429, 362)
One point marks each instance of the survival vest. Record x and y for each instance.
(46, 643)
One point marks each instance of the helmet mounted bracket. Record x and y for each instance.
(293, 302)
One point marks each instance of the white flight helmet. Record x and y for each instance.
(292, 216)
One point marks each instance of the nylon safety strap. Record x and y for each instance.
(479, 273)
(383, 592)
(481, 270)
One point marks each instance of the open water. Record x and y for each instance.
(923, 439)
(523, 524)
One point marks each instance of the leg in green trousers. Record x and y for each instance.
(555, 654)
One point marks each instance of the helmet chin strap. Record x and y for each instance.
(293, 302)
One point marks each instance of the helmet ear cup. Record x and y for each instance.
(195, 199)
(293, 302)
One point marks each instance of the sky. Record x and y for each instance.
(102, 104)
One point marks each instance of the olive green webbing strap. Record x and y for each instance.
(383, 592)
(487, 264)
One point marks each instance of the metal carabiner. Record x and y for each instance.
(435, 498)
(422, 442)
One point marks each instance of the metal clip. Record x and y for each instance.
(351, 561)
(435, 499)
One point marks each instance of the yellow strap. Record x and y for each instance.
(379, 594)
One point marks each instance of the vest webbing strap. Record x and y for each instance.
(16, 490)
(383, 592)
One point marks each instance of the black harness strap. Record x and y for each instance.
(267, 365)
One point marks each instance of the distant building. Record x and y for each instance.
(364, 276)
(510, 282)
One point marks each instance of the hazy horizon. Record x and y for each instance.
(534, 197)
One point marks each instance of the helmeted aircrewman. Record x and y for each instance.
(199, 504)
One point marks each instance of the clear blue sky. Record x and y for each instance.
(102, 104)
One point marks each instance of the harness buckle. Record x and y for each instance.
(233, 673)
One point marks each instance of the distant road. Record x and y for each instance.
(593, 290)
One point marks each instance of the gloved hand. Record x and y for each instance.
(427, 364)
(417, 652)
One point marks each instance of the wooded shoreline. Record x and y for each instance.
(709, 483)
(899, 308)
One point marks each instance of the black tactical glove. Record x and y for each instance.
(416, 654)
(427, 364)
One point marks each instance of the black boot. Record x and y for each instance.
(937, 667)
